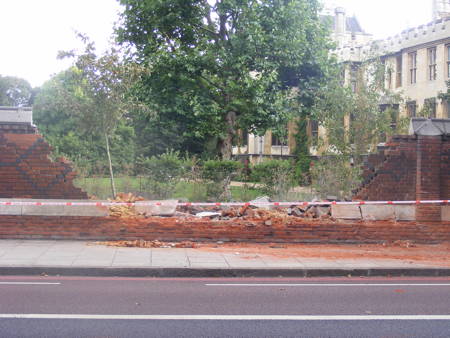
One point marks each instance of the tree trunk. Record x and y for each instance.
(226, 144)
(111, 174)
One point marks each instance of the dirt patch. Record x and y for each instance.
(438, 254)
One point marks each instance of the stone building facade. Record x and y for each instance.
(417, 63)
(347, 31)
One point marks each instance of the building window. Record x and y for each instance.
(314, 127)
(448, 61)
(429, 107)
(342, 77)
(446, 105)
(411, 108)
(389, 78)
(398, 80)
(412, 67)
(244, 138)
(280, 140)
(354, 77)
(432, 72)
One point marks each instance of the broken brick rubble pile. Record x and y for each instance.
(253, 212)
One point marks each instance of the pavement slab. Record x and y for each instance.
(204, 260)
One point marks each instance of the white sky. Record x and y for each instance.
(384, 18)
(33, 31)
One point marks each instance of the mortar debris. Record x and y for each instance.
(140, 243)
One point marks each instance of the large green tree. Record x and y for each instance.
(226, 65)
(103, 92)
(15, 92)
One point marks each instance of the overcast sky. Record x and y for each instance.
(33, 31)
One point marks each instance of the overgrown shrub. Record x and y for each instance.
(276, 177)
(218, 175)
(162, 173)
(335, 176)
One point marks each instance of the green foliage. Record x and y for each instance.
(162, 173)
(302, 152)
(218, 170)
(335, 176)
(218, 175)
(102, 92)
(276, 176)
(15, 92)
(445, 96)
(353, 119)
(225, 65)
(185, 190)
(157, 133)
(60, 124)
(354, 123)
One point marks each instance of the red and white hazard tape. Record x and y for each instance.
(218, 204)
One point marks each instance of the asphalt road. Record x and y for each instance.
(127, 307)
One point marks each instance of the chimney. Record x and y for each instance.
(340, 26)
(340, 21)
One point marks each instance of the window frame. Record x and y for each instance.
(389, 77)
(278, 142)
(314, 130)
(432, 103)
(432, 63)
(412, 58)
(409, 111)
(447, 48)
(398, 71)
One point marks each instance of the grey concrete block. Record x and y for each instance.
(42, 210)
(13, 210)
(165, 208)
(377, 212)
(54, 210)
(346, 211)
(16, 115)
(405, 212)
(445, 213)
(85, 210)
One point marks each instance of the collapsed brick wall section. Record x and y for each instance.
(391, 174)
(409, 168)
(26, 171)
(282, 230)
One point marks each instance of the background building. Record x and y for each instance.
(417, 63)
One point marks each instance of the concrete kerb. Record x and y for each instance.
(52, 210)
(214, 272)
(160, 208)
(375, 212)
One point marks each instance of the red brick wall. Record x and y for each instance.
(287, 229)
(445, 168)
(26, 171)
(393, 177)
(428, 182)
(411, 168)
